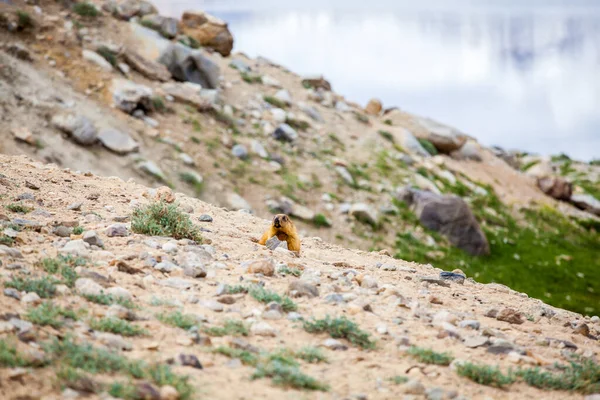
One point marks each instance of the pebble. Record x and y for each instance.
(452, 276)
(75, 206)
(31, 298)
(413, 387)
(299, 288)
(115, 230)
(511, 316)
(334, 298)
(87, 287)
(470, 323)
(263, 329)
(14, 293)
(92, 238)
(265, 267)
(334, 344)
(475, 341)
(205, 218)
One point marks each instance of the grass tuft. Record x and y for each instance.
(429, 356)
(428, 146)
(24, 19)
(485, 375)
(45, 287)
(321, 220)
(312, 355)
(251, 78)
(193, 181)
(288, 376)
(246, 357)
(109, 299)
(340, 328)
(178, 319)
(285, 270)
(49, 314)
(266, 296)
(86, 10)
(108, 55)
(64, 266)
(118, 326)
(386, 135)
(231, 328)
(163, 219)
(18, 208)
(274, 101)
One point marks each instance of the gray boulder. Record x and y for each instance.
(188, 93)
(556, 187)
(166, 26)
(117, 141)
(189, 65)
(450, 216)
(285, 133)
(129, 96)
(409, 142)
(80, 128)
(127, 9)
(444, 138)
(150, 69)
(586, 202)
(471, 150)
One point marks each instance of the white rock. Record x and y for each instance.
(97, 59)
(88, 287)
(119, 292)
(263, 329)
(76, 247)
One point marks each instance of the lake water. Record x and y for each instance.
(520, 74)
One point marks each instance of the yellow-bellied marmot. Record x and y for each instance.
(285, 230)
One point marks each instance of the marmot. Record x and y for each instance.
(285, 230)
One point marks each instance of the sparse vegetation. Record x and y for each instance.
(429, 356)
(580, 376)
(399, 379)
(6, 240)
(388, 122)
(163, 219)
(158, 104)
(45, 287)
(50, 314)
(297, 124)
(266, 296)
(246, 357)
(321, 221)
(230, 328)
(312, 355)
(108, 55)
(285, 270)
(24, 19)
(361, 117)
(116, 325)
(340, 328)
(485, 374)
(236, 289)
(251, 78)
(178, 319)
(274, 101)
(18, 208)
(288, 376)
(11, 358)
(428, 146)
(78, 230)
(85, 9)
(63, 266)
(109, 299)
(386, 135)
(192, 180)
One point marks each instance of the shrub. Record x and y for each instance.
(176, 318)
(485, 375)
(429, 356)
(163, 219)
(45, 287)
(108, 55)
(340, 328)
(109, 299)
(49, 314)
(266, 296)
(116, 325)
(231, 327)
(428, 146)
(85, 9)
(18, 208)
(320, 220)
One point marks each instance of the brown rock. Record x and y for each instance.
(226, 299)
(208, 30)
(374, 107)
(300, 288)
(511, 316)
(150, 69)
(165, 194)
(556, 187)
(24, 135)
(265, 267)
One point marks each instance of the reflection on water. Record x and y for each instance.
(524, 77)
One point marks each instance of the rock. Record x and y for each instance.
(14, 253)
(374, 107)
(92, 238)
(476, 341)
(192, 264)
(212, 305)
(117, 141)
(265, 267)
(263, 329)
(586, 202)
(284, 96)
(311, 112)
(130, 97)
(469, 323)
(166, 266)
(413, 386)
(188, 360)
(316, 82)
(208, 30)
(188, 65)
(80, 128)
(285, 133)
(127, 9)
(19, 51)
(471, 150)
(364, 213)
(236, 202)
(299, 288)
(23, 134)
(75, 206)
(454, 277)
(166, 26)
(259, 149)
(119, 292)
(409, 142)
(592, 397)
(205, 218)
(345, 174)
(334, 298)
(62, 231)
(115, 230)
(240, 65)
(168, 392)
(31, 298)
(152, 169)
(450, 216)
(270, 81)
(333, 344)
(444, 138)
(368, 282)
(14, 293)
(240, 151)
(582, 329)
(556, 187)
(511, 316)
(177, 283)
(150, 69)
(188, 93)
(97, 59)
(87, 287)
(76, 247)
(279, 114)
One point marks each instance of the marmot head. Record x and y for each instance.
(281, 221)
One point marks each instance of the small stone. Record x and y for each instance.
(240, 151)
(299, 288)
(265, 267)
(285, 133)
(511, 316)
(333, 344)
(6, 327)
(226, 300)
(115, 230)
(294, 316)
(20, 325)
(272, 315)
(62, 231)
(469, 323)
(188, 360)
(168, 393)
(335, 298)
(212, 305)
(169, 247)
(582, 329)
(166, 266)
(92, 238)
(435, 300)
(75, 206)
(14, 293)
(454, 277)
(595, 319)
(263, 329)
(31, 298)
(177, 283)
(145, 390)
(413, 387)
(491, 313)
(476, 341)
(87, 287)
(368, 282)
(118, 311)
(119, 292)
(112, 341)
(76, 247)
(205, 218)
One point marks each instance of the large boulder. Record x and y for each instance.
(208, 30)
(189, 65)
(150, 69)
(586, 202)
(450, 216)
(556, 187)
(129, 96)
(188, 93)
(444, 138)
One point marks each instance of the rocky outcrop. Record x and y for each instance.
(150, 69)
(556, 187)
(188, 65)
(586, 202)
(444, 138)
(188, 93)
(208, 30)
(450, 216)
